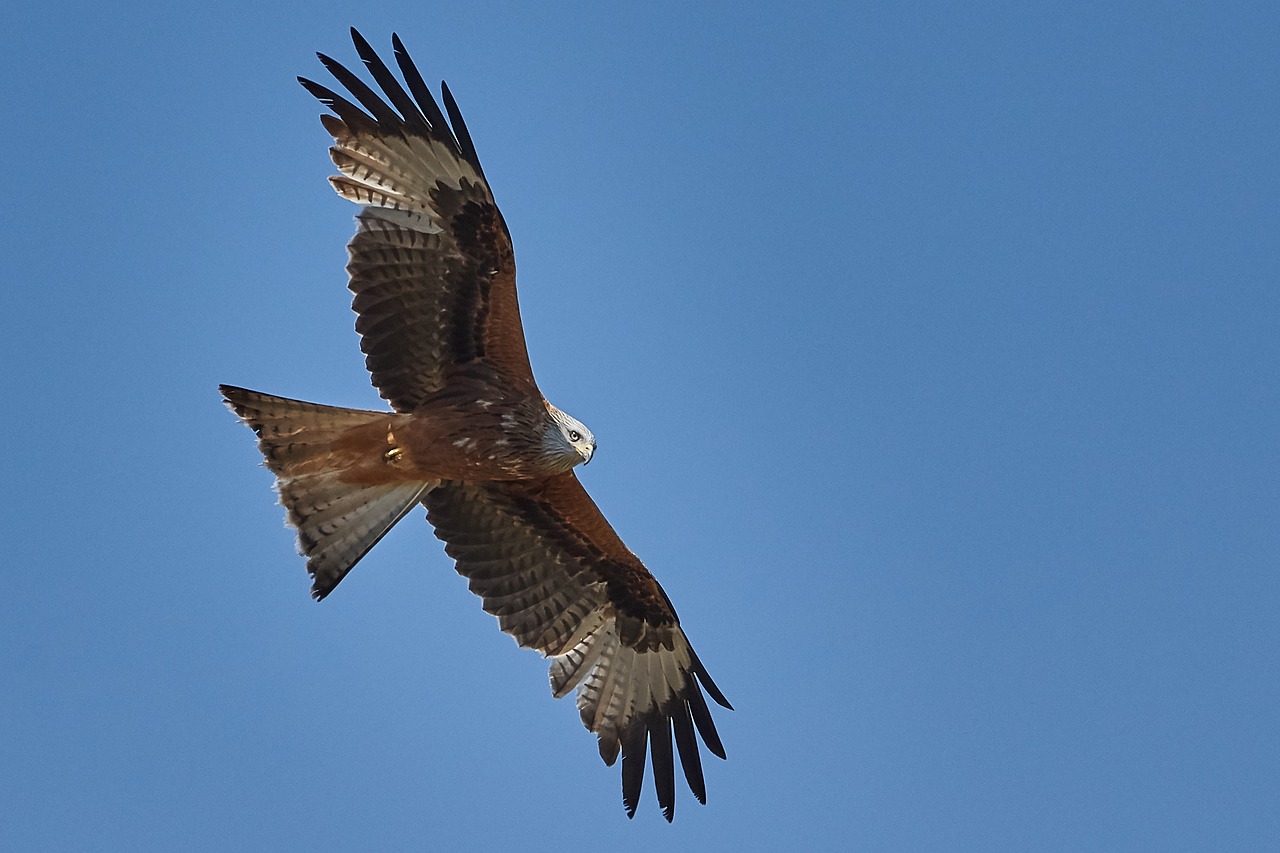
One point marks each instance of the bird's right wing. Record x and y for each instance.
(431, 265)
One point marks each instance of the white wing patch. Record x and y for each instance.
(618, 685)
(393, 177)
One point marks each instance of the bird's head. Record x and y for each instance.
(569, 438)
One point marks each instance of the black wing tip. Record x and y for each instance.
(633, 761)
(716, 747)
(678, 724)
(664, 768)
(420, 113)
(322, 93)
(366, 51)
(703, 676)
(460, 132)
(653, 737)
(703, 721)
(686, 741)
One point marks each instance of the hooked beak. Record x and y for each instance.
(590, 456)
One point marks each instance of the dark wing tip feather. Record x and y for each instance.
(679, 725)
(703, 676)
(352, 116)
(664, 768)
(413, 111)
(465, 144)
(633, 755)
(413, 117)
(422, 94)
(388, 119)
(687, 747)
(702, 720)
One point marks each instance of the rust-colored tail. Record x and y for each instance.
(337, 520)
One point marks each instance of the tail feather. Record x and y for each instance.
(337, 520)
(338, 525)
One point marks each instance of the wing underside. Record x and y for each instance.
(431, 264)
(552, 571)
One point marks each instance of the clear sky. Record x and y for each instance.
(932, 351)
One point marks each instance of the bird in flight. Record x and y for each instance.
(472, 438)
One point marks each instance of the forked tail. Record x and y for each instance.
(310, 449)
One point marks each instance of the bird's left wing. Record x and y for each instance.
(554, 572)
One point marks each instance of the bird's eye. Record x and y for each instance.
(574, 435)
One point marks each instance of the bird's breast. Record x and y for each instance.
(481, 439)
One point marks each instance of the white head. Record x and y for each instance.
(570, 439)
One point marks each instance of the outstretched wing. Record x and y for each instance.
(431, 267)
(559, 579)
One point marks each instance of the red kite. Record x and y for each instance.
(472, 438)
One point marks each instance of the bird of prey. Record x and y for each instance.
(472, 438)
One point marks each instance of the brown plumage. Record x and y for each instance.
(472, 437)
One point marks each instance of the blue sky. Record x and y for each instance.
(931, 348)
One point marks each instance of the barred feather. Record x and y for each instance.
(337, 521)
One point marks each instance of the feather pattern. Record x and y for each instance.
(431, 265)
(337, 521)
(548, 565)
